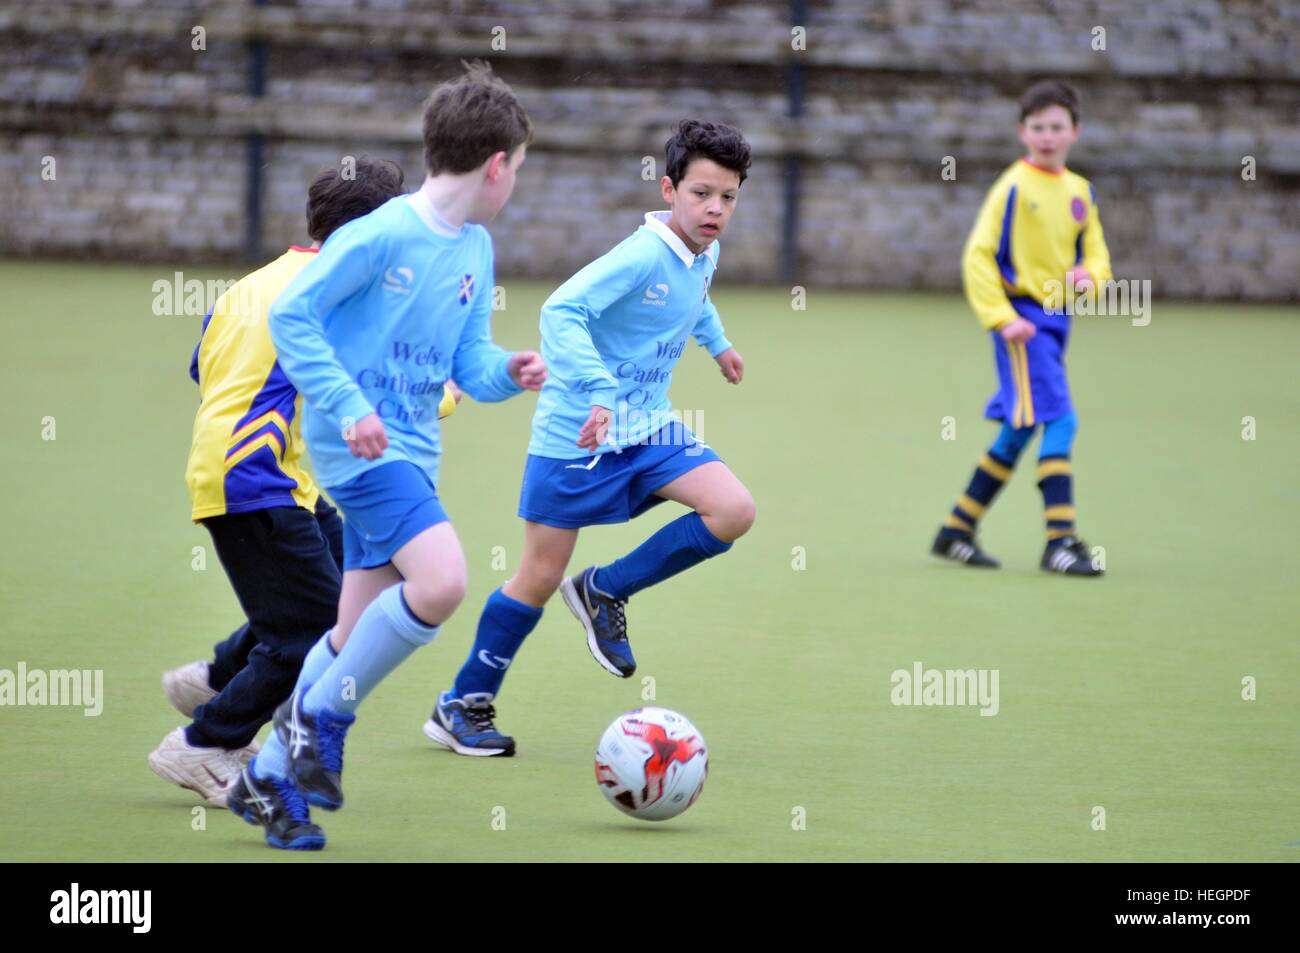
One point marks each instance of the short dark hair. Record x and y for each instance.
(1050, 92)
(337, 196)
(469, 119)
(705, 140)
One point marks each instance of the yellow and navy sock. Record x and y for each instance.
(1056, 482)
(989, 477)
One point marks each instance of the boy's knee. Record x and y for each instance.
(434, 600)
(734, 516)
(1058, 436)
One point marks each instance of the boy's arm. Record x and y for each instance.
(480, 366)
(981, 276)
(297, 321)
(568, 313)
(708, 332)
(1096, 256)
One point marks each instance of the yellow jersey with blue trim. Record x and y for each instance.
(247, 448)
(1034, 225)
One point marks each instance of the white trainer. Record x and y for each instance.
(205, 771)
(187, 687)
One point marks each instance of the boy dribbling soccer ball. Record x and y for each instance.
(605, 445)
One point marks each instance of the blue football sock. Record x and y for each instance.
(387, 632)
(320, 657)
(683, 543)
(502, 628)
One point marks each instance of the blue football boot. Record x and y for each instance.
(465, 726)
(603, 618)
(315, 744)
(275, 804)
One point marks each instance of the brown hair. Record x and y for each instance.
(1050, 92)
(337, 197)
(469, 119)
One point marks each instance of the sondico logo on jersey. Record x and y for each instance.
(656, 295)
(398, 280)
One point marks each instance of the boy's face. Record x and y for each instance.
(498, 183)
(702, 202)
(1048, 135)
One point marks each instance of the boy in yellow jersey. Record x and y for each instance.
(279, 541)
(1038, 232)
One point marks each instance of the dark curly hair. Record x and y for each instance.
(334, 199)
(706, 140)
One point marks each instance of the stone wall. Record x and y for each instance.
(149, 136)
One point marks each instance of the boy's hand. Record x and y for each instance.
(527, 370)
(1079, 278)
(732, 364)
(367, 439)
(594, 431)
(457, 394)
(1018, 330)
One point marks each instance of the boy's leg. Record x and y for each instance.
(393, 516)
(198, 682)
(280, 566)
(229, 656)
(673, 465)
(403, 617)
(360, 587)
(284, 574)
(956, 540)
(723, 512)
(1065, 552)
(462, 719)
(1055, 479)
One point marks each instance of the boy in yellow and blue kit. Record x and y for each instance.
(1038, 236)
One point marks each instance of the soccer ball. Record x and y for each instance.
(651, 763)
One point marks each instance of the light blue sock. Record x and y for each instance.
(387, 632)
(273, 759)
(320, 658)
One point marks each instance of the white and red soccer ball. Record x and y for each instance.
(651, 763)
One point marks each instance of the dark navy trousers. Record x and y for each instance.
(285, 564)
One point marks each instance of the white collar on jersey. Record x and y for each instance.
(657, 222)
(429, 215)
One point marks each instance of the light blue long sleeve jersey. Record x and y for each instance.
(612, 334)
(395, 303)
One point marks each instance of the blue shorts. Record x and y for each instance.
(383, 510)
(1032, 388)
(609, 487)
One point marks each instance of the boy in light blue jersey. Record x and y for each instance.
(605, 446)
(396, 303)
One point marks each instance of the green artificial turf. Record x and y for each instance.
(1122, 693)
